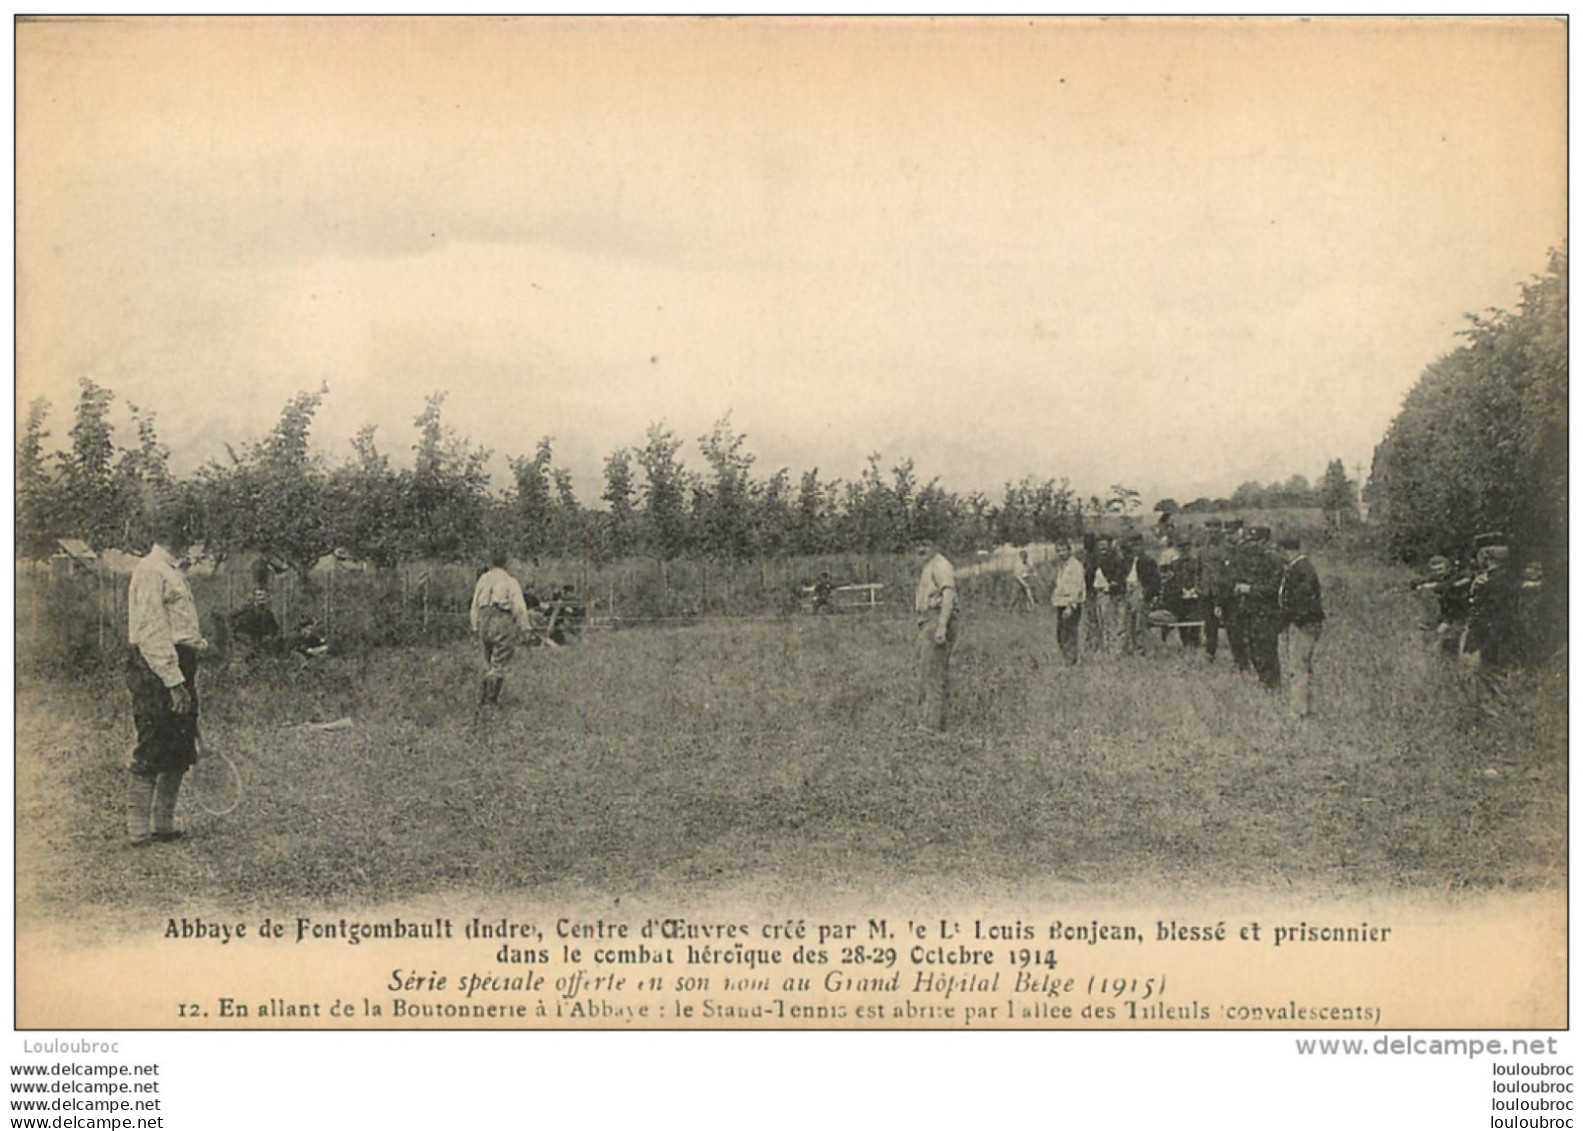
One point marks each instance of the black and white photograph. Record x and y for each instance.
(809, 523)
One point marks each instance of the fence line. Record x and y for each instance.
(78, 616)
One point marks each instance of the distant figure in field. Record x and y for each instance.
(1182, 587)
(256, 626)
(823, 591)
(1540, 618)
(1213, 586)
(499, 615)
(1070, 592)
(1113, 568)
(1450, 589)
(565, 616)
(935, 603)
(1024, 573)
(1302, 619)
(1140, 590)
(1240, 563)
(1493, 644)
(1094, 587)
(164, 643)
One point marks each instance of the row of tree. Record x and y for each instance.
(279, 496)
(1335, 494)
(1480, 442)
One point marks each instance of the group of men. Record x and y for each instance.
(1113, 595)
(1489, 619)
(1109, 594)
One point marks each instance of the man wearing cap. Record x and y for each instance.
(499, 614)
(164, 642)
(1302, 619)
(1491, 645)
(934, 602)
(1258, 587)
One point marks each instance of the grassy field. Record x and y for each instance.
(770, 750)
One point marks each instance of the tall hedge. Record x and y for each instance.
(1481, 440)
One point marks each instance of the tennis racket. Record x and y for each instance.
(214, 783)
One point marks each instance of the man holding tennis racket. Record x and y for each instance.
(161, 673)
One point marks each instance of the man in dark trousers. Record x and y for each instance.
(1259, 586)
(1141, 590)
(164, 642)
(1094, 630)
(1302, 618)
(1240, 555)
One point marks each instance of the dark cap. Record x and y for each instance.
(1233, 524)
(1259, 533)
(1489, 538)
(1213, 524)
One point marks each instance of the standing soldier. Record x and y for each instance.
(1302, 618)
(161, 673)
(1259, 585)
(1068, 597)
(1233, 607)
(498, 615)
(1491, 645)
(935, 605)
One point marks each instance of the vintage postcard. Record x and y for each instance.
(791, 523)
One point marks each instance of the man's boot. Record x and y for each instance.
(139, 800)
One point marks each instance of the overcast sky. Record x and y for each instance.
(1175, 255)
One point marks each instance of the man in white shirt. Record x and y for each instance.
(935, 605)
(499, 615)
(1067, 597)
(161, 673)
